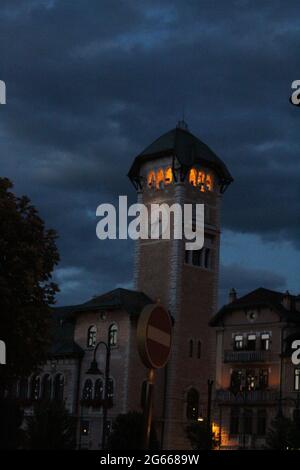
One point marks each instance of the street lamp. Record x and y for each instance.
(94, 370)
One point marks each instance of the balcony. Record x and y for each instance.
(253, 396)
(246, 356)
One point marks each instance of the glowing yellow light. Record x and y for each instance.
(208, 182)
(193, 177)
(151, 179)
(201, 180)
(168, 176)
(159, 178)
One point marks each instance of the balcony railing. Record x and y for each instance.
(246, 356)
(252, 396)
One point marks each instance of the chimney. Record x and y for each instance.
(287, 301)
(232, 295)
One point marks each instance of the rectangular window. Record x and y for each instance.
(238, 342)
(265, 341)
(251, 342)
(234, 421)
(261, 422)
(297, 380)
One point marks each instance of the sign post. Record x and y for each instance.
(154, 335)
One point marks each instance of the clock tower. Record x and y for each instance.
(179, 168)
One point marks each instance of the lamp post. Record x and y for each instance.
(94, 370)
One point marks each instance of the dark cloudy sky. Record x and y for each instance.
(90, 83)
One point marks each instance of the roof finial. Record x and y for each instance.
(181, 124)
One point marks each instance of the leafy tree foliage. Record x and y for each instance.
(127, 432)
(28, 255)
(51, 427)
(284, 434)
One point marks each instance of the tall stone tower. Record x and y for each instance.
(179, 168)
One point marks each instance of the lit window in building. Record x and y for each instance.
(98, 390)
(87, 392)
(261, 422)
(248, 421)
(110, 388)
(85, 428)
(91, 336)
(238, 342)
(207, 258)
(168, 176)
(250, 380)
(35, 387)
(265, 341)
(251, 342)
(46, 387)
(193, 177)
(113, 334)
(23, 388)
(191, 348)
(151, 179)
(160, 179)
(199, 349)
(297, 379)
(201, 181)
(263, 379)
(234, 421)
(192, 406)
(208, 182)
(58, 387)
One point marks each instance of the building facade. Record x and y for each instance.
(179, 169)
(255, 377)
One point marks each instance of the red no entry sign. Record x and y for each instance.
(154, 334)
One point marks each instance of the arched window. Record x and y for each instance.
(87, 392)
(199, 349)
(191, 347)
(35, 387)
(110, 389)
(201, 181)
(98, 390)
(151, 179)
(46, 387)
(193, 176)
(208, 182)
(58, 389)
(192, 405)
(91, 336)
(168, 176)
(23, 388)
(113, 334)
(160, 179)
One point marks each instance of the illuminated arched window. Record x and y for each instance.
(151, 179)
(98, 395)
(208, 182)
(35, 387)
(192, 405)
(201, 180)
(91, 336)
(23, 388)
(168, 176)
(46, 387)
(193, 177)
(113, 334)
(160, 179)
(87, 392)
(58, 388)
